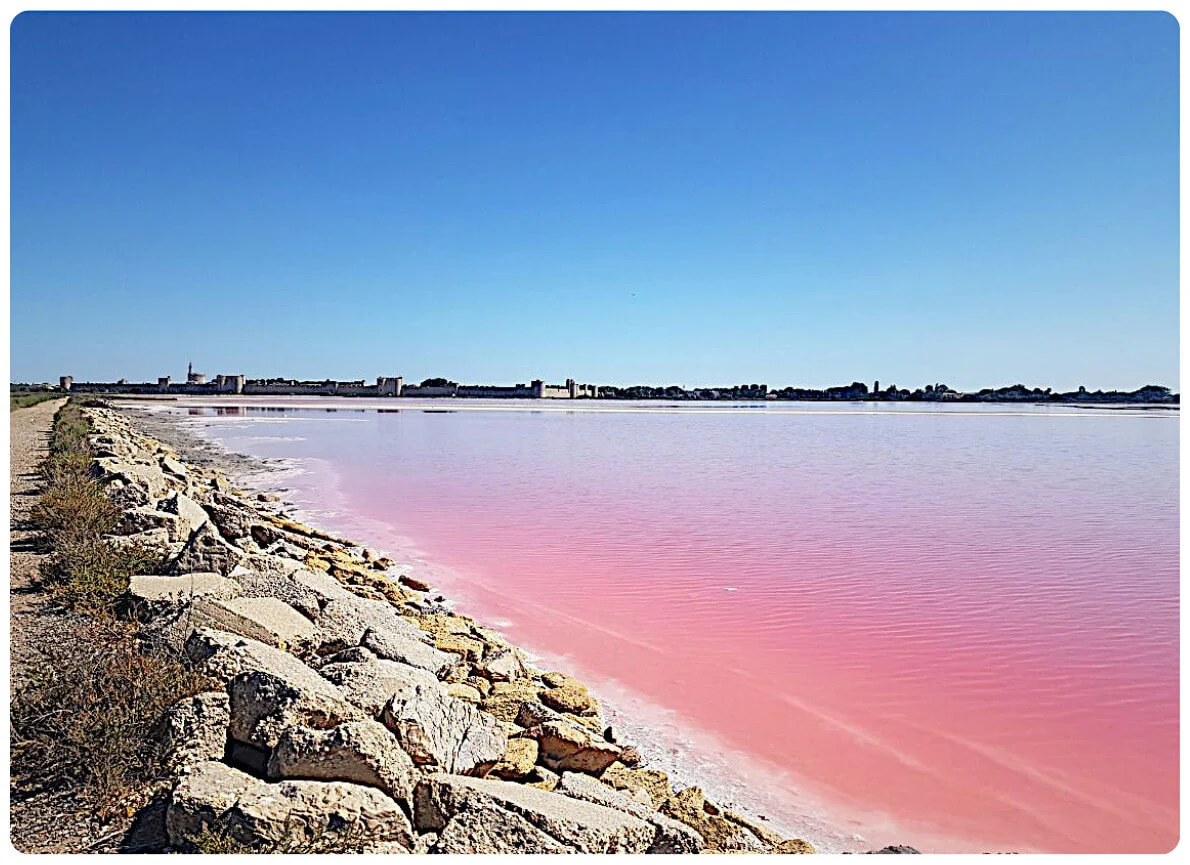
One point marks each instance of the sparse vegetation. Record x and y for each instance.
(82, 719)
(24, 400)
(215, 841)
(84, 571)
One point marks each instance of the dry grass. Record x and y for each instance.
(91, 575)
(83, 718)
(84, 571)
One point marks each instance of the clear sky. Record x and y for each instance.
(808, 199)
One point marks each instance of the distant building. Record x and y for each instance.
(386, 386)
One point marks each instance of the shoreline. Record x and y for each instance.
(732, 786)
(252, 474)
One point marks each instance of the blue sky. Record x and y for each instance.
(977, 199)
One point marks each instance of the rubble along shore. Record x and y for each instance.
(355, 705)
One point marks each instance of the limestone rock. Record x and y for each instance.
(265, 619)
(146, 518)
(129, 483)
(267, 535)
(232, 517)
(492, 638)
(371, 684)
(487, 828)
(766, 835)
(480, 684)
(503, 665)
(567, 748)
(554, 679)
(519, 760)
(151, 538)
(798, 845)
(354, 655)
(570, 697)
(290, 815)
(652, 783)
(534, 714)
(172, 466)
(362, 752)
(446, 623)
(206, 550)
(439, 731)
(283, 548)
(718, 833)
(542, 778)
(631, 756)
(322, 584)
(265, 705)
(399, 646)
(457, 644)
(194, 730)
(670, 835)
(581, 826)
(185, 508)
(506, 698)
(223, 656)
(344, 622)
(152, 595)
(265, 576)
(464, 692)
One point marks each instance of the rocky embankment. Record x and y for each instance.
(355, 710)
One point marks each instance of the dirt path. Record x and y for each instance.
(29, 432)
(42, 821)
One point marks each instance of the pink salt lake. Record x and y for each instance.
(953, 627)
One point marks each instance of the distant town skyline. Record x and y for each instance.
(198, 383)
(807, 199)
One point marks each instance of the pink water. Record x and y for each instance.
(955, 628)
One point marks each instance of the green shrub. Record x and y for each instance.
(90, 574)
(72, 506)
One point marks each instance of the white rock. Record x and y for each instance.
(371, 684)
(398, 646)
(194, 730)
(441, 731)
(291, 815)
(266, 619)
(670, 836)
(362, 752)
(581, 826)
(265, 705)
